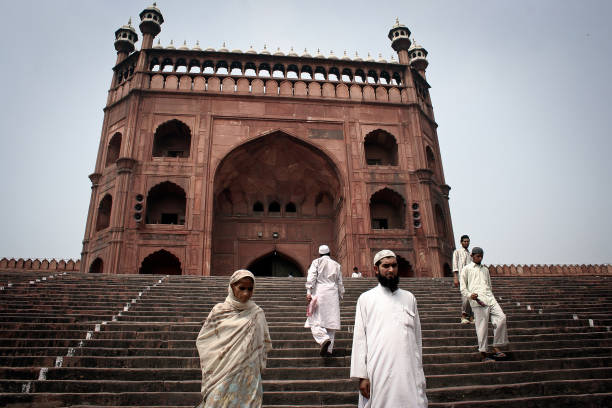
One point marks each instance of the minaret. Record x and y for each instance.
(400, 41)
(418, 58)
(151, 20)
(125, 38)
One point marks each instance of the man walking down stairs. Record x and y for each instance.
(108, 340)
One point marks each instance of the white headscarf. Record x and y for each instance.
(234, 335)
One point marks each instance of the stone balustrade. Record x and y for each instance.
(273, 75)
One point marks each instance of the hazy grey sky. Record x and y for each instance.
(521, 92)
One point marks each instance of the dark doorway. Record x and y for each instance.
(404, 269)
(97, 266)
(447, 271)
(275, 265)
(161, 263)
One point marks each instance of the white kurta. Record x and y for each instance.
(325, 281)
(387, 349)
(476, 279)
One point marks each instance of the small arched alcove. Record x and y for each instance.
(104, 212)
(387, 209)
(113, 149)
(161, 262)
(172, 139)
(380, 149)
(275, 264)
(97, 266)
(166, 204)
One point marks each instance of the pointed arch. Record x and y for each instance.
(161, 262)
(276, 264)
(172, 139)
(113, 149)
(97, 266)
(104, 212)
(387, 210)
(166, 204)
(380, 148)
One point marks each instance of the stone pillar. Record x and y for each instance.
(125, 166)
(95, 180)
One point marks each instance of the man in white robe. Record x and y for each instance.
(476, 285)
(387, 355)
(324, 289)
(462, 257)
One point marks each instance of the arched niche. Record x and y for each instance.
(113, 149)
(288, 186)
(380, 148)
(275, 264)
(104, 212)
(440, 221)
(387, 210)
(404, 268)
(166, 204)
(161, 262)
(97, 266)
(172, 139)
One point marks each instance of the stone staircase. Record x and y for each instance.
(70, 339)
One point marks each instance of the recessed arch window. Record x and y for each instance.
(258, 207)
(387, 209)
(380, 149)
(172, 139)
(166, 203)
(274, 207)
(290, 208)
(113, 149)
(440, 221)
(97, 266)
(431, 159)
(161, 262)
(104, 213)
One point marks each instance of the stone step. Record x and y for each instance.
(555, 401)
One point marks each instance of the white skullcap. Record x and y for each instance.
(323, 249)
(385, 253)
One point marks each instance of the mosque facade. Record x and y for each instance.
(211, 160)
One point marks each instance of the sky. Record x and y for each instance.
(520, 89)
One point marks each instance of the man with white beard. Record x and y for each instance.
(387, 356)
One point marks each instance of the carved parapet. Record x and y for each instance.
(549, 270)
(425, 176)
(95, 179)
(125, 164)
(37, 264)
(264, 74)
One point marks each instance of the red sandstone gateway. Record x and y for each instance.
(215, 160)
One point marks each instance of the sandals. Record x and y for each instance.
(499, 354)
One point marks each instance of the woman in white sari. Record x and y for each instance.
(233, 345)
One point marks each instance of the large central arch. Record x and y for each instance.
(276, 191)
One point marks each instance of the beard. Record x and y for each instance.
(390, 283)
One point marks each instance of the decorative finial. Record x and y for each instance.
(265, 46)
(158, 41)
(345, 53)
(223, 44)
(171, 42)
(318, 50)
(154, 4)
(305, 50)
(277, 49)
(356, 54)
(185, 42)
(130, 21)
(198, 43)
(396, 20)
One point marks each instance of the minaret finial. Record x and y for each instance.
(130, 21)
